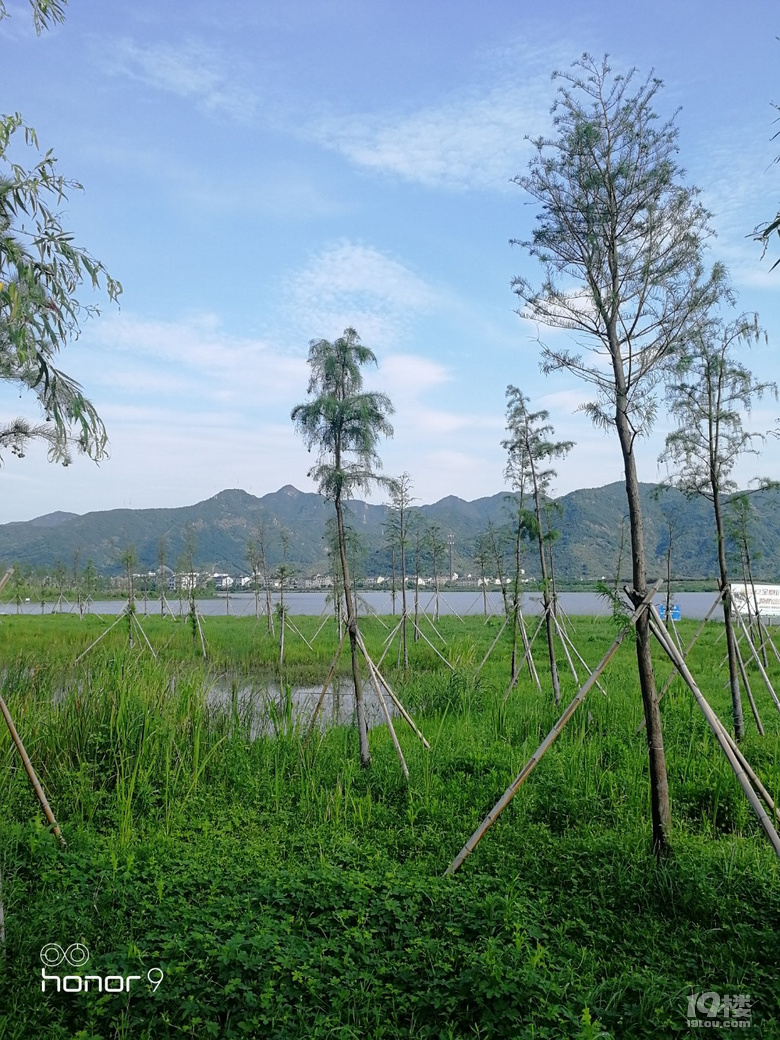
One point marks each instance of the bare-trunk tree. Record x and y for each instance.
(398, 529)
(529, 451)
(620, 237)
(711, 391)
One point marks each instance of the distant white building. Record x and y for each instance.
(184, 582)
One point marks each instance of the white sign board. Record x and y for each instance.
(767, 597)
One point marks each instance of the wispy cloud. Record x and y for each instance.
(349, 284)
(193, 358)
(471, 139)
(190, 70)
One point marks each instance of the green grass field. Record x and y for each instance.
(283, 891)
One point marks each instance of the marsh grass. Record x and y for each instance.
(286, 892)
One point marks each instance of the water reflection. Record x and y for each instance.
(268, 709)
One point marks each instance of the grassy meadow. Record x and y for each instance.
(284, 892)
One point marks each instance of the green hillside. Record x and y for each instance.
(589, 521)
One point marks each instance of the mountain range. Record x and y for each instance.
(592, 523)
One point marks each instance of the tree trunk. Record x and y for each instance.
(365, 754)
(516, 603)
(728, 621)
(404, 642)
(549, 621)
(659, 785)
(417, 591)
(761, 645)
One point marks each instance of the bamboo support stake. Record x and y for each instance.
(31, 772)
(378, 687)
(677, 639)
(430, 644)
(200, 633)
(141, 629)
(527, 656)
(328, 680)
(566, 649)
(748, 690)
(566, 638)
(401, 709)
(389, 639)
(447, 603)
(551, 737)
(527, 650)
(492, 645)
(674, 672)
(102, 634)
(757, 660)
(660, 633)
(435, 629)
(768, 800)
(690, 645)
(298, 632)
(325, 620)
(766, 638)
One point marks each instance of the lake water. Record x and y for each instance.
(576, 604)
(268, 709)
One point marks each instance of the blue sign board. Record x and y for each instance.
(676, 612)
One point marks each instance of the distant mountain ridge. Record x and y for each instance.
(589, 520)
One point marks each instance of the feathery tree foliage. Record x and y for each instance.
(620, 238)
(529, 451)
(710, 393)
(344, 424)
(42, 273)
(397, 526)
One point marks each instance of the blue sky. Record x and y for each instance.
(262, 174)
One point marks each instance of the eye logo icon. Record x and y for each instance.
(52, 954)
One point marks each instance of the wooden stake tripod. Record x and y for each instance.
(752, 787)
(129, 615)
(381, 686)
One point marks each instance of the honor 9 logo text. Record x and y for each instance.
(77, 956)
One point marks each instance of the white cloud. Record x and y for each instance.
(348, 284)
(474, 138)
(195, 356)
(471, 141)
(410, 376)
(191, 70)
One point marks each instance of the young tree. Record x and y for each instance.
(620, 237)
(283, 574)
(42, 273)
(529, 451)
(161, 552)
(482, 558)
(344, 423)
(496, 542)
(418, 534)
(436, 547)
(129, 560)
(708, 397)
(89, 581)
(738, 531)
(397, 525)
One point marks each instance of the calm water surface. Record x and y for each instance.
(577, 604)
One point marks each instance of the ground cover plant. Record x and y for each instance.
(283, 891)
